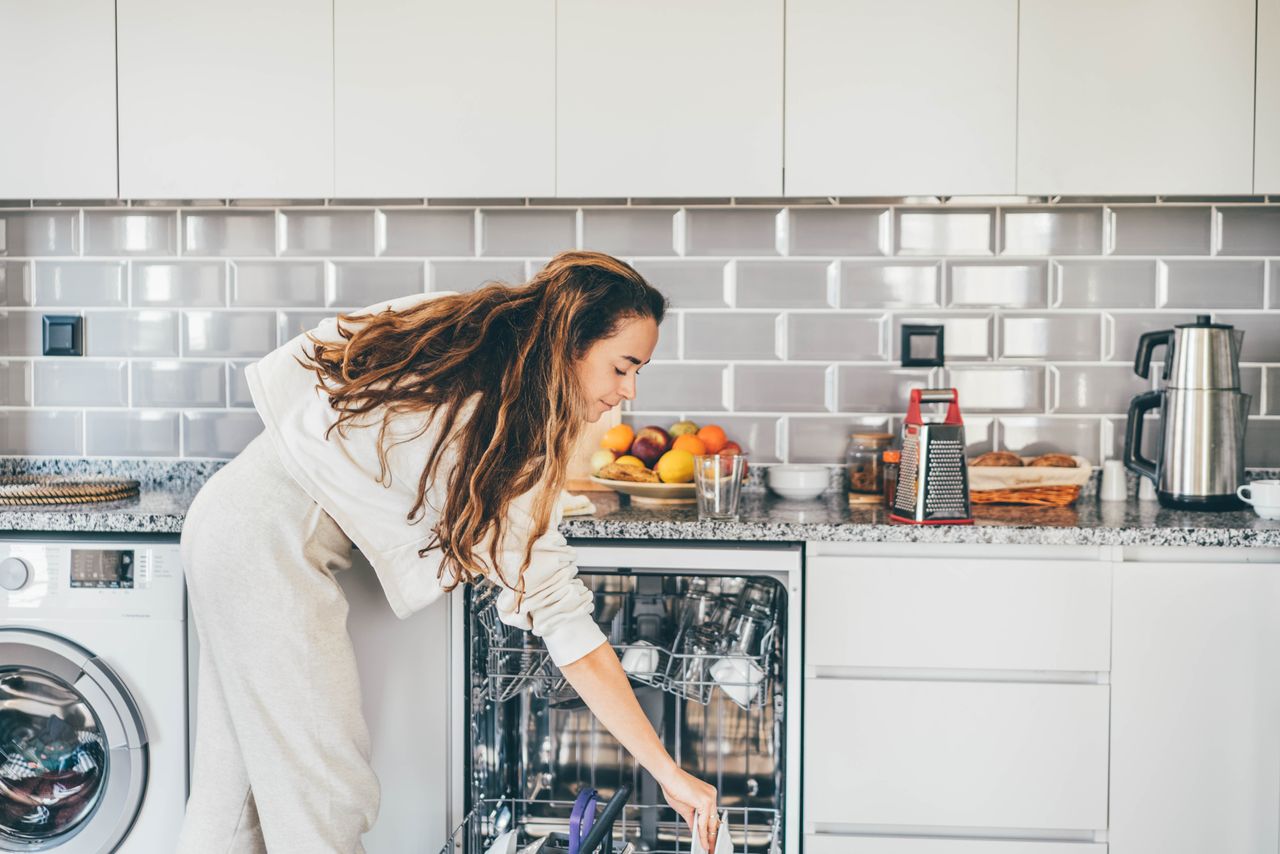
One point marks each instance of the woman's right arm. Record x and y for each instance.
(600, 681)
(558, 607)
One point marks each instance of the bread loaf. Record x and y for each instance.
(1062, 461)
(997, 458)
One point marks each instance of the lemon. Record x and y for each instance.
(675, 467)
(628, 460)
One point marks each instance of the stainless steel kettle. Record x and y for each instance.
(1203, 414)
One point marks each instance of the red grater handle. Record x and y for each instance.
(934, 395)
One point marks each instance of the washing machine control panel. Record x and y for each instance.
(110, 569)
(83, 578)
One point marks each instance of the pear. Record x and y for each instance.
(682, 428)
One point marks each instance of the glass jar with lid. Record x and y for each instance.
(863, 464)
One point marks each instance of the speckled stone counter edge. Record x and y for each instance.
(169, 485)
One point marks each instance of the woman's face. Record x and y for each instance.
(607, 373)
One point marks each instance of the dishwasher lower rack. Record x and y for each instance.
(516, 662)
(652, 829)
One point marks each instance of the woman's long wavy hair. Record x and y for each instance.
(514, 346)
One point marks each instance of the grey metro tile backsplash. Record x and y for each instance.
(784, 322)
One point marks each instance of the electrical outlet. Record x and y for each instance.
(63, 335)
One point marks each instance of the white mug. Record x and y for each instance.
(1114, 485)
(1264, 495)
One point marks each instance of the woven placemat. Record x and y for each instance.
(62, 489)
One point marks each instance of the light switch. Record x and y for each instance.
(63, 335)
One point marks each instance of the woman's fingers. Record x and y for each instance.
(704, 828)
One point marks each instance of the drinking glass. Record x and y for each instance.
(718, 483)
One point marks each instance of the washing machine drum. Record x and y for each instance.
(72, 748)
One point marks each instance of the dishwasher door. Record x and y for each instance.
(709, 635)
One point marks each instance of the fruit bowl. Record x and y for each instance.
(651, 493)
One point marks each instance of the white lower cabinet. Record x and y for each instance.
(817, 844)
(1195, 740)
(955, 754)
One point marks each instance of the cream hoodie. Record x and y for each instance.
(341, 475)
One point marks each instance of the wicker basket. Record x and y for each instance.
(1046, 486)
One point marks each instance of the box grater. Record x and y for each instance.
(933, 477)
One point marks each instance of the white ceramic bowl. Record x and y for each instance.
(798, 482)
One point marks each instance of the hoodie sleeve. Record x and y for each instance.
(556, 606)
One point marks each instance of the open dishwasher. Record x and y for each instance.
(709, 636)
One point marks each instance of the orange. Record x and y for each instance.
(629, 460)
(619, 438)
(690, 443)
(713, 438)
(675, 466)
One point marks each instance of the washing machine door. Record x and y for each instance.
(73, 754)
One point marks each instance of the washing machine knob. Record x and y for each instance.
(14, 573)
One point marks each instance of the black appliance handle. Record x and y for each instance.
(1147, 345)
(602, 830)
(1133, 458)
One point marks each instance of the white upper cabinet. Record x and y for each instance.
(1266, 176)
(444, 98)
(1141, 97)
(668, 98)
(58, 59)
(901, 98)
(226, 99)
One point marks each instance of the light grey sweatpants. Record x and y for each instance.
(282, 749)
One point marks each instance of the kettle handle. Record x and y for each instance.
(1147, 344)
(1133, 458)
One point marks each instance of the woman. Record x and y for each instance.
(432, 432)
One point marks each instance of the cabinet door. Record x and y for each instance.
(1195, 716)
(955, 754)
(1144, 97)
(880, 844)
(970, 613)
(232, 99)
(441, 98)
(404, 680)
(911, 97)
(669, 98)
(58, 59)
(1266, 149)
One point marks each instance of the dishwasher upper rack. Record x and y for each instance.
(752, 830)
(516, 661)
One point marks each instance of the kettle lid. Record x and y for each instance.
(1202, 321)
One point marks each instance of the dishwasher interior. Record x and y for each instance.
(706, 653)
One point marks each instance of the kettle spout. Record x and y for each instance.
(1237, 344)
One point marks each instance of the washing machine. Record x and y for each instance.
(93, 694)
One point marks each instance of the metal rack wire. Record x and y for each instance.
(752, 830)
(516, 662)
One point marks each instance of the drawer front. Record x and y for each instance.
(955, 754)
(966, 613)
(823, 844)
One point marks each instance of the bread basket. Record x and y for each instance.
(1036, 485)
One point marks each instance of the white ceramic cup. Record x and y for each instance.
(739, 678)
(641, 659)
(1264, 495)
(1114, 487)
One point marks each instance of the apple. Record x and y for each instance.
(733, 449)
(650, 444)
(600, 459)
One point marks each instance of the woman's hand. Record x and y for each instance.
(696, 803)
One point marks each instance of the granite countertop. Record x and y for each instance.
(168, 488)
